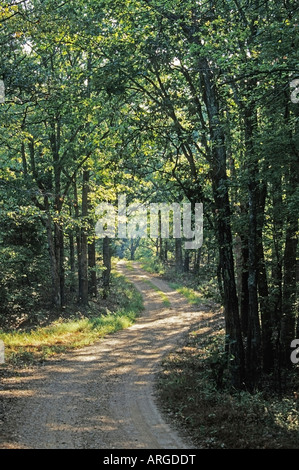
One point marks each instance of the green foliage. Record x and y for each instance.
(152, 265)
(170, 101)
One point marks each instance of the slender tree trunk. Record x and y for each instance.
(78, 243)
(254, 331)
(277, 259)
(160, 241)
(197, 261)
(92, 282)
(244, 298)
(107, 266)
(289, 270)
(72, 262)
(165, 251)
(186, 261)
(61, 265)
(56, 299)
(266, 315)
(178, 255)
(84, 239)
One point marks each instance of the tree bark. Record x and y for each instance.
(178, 255)
(107, 266)
(254, 330)
(263, 290)
(78, 243)
(84, 239)
(92, 282)
(186, 261)
(244, 298)
(56, 299)
(223, 225)
(290, 268)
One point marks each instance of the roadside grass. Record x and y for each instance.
(81, 328)
(193, 297)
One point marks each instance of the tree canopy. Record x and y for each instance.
(164, 101)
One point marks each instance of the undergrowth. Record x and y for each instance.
(216, 416)
(75, 329)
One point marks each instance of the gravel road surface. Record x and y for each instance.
(102, 396)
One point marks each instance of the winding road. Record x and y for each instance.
(102, 396)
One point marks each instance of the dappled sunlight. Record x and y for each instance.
(103, 393)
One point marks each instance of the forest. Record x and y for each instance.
(165, 102)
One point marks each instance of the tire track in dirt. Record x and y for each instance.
(102, 396)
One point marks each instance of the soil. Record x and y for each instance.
(102, 396)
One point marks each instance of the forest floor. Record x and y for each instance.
(103, 396)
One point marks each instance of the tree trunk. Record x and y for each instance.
(244, 298)
(56, 299)
(178, 255)
(92, 282)
(254, 331)
(72, 262)
(78, 242)
(289, 271)
(186, 261)
(197, 261)
(266, 315)
(107, 266)
(223, 226)
(275, 297)
(84, 239)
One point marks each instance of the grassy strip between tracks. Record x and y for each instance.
(164, 298)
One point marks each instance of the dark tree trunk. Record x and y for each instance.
(78, 243)
(72, 262)
(223, 226)
(107, 266)
(56, 299)
(84, 239)
(186, 261)
(165, 251)
(289, 269)
(178, 255)
(266, 315)
(92, 282)
(244, 298)
(197, 261)
(61, 265)
(275, 297)
(254, 331)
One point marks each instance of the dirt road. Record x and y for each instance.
(102, 396)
